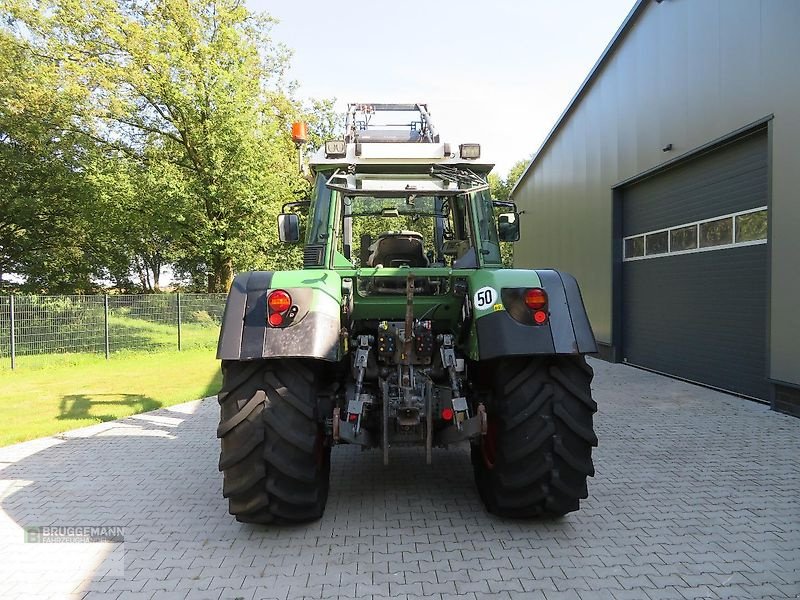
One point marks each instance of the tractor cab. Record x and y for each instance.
(390, 188)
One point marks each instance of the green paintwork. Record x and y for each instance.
(327, 286)
(327, 298)
(497, 279)
(340, 261)
(327, 278)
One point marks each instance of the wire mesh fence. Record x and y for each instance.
(5, 326)
(40, 325)
(201, 316)
(142, 322)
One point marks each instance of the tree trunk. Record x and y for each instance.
(221, 276)
(154, 268)
(142, 274)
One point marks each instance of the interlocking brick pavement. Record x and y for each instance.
(697, 495)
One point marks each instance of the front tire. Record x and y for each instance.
(537, 453)
(274, 459)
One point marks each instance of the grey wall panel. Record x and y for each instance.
(703, 46)
(684, 73)
(724, 181)
(700, 316)
(779, 51)
(673, 77)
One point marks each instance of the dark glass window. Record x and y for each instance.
(318, 219)
(752, 226)
(657, 243)
(487, 230)
(716, 233)
(683, 238)
(634, 247)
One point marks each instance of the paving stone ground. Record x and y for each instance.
(697, 495)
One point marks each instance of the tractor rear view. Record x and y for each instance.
(403, 329)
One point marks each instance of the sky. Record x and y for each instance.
(496, 72)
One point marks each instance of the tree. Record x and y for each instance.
(192, 94)
(140, 216)
(500, 188)
(45, 223)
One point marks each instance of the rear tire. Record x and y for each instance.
(537, 453)
(274, 459)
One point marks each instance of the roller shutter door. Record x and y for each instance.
(694, 272)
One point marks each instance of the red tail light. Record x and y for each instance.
(535, 298)
(279, 301)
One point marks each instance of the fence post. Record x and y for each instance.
(13, 340)
(105, 324)
(179, 321)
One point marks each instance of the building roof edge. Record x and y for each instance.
(633, 15)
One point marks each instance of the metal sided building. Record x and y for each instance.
(670, 187)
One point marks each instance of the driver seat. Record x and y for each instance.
(396, 249)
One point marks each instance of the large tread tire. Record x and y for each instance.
(537, 454)
(274, 459)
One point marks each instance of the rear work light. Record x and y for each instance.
(335, 148)
(472, 151)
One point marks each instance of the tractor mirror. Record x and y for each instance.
(508, 227)
(289, 228)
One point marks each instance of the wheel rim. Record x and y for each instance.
(489, 444)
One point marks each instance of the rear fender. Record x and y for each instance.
(567, 330)
(313, 332)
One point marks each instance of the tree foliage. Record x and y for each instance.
(44, 224)
(158, 130)
(500, 188)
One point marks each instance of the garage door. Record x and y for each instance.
(694, 271)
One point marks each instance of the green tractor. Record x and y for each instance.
(403, 329)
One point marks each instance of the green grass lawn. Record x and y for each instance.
(49, 394)
(126, 332)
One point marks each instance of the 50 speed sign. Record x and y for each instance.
(484, 298)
